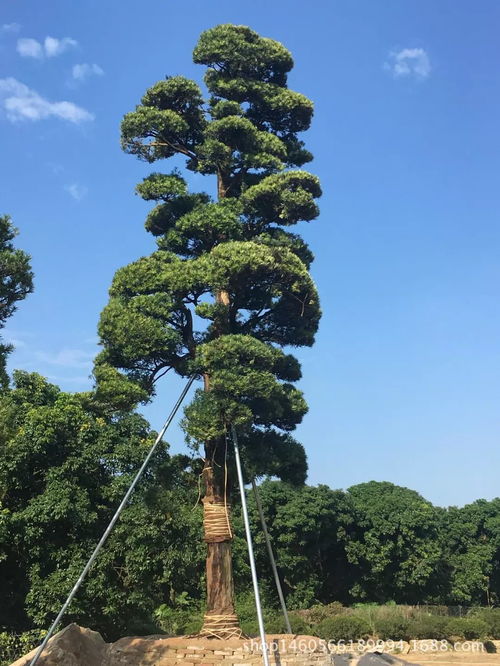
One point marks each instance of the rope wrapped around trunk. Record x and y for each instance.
(217, 522)
(221, 626)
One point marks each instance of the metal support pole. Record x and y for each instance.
(112, 523)
(271, 557)
(251, 557)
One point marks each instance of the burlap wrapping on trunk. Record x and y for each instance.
(217, 522)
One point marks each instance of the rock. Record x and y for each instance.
(72, 646)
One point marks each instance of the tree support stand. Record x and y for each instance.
(251, 557)
(271, 557)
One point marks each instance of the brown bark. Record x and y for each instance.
(222, 185)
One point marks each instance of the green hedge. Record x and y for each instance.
(492, 618)
(469, 628)
(343, 628)
(392, 628)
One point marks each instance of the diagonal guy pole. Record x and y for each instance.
(271, 557)
(251, 557)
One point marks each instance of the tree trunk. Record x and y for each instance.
(220, 619)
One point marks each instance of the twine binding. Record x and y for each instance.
(222, 627)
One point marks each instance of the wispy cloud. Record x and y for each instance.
(67, 358)
(78, 192)
(22, 103)
(85, 70)
(54, 46)
(409, 63)
(50, 47)
(29, 48)
(10, 27)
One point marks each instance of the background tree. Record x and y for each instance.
(394, 546)
(16, 282)
(229, 285)
(471, 544)
(309, 528)
(64, 467)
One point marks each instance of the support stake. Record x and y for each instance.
(271, 557)
(251, 557)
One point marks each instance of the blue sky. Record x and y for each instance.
(404, 381)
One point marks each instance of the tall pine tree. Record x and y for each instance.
(228, 286)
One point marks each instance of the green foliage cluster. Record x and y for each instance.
(378, 542)
(182, 616)
(393, 622)
(65, 464)
(16, 282)
(343, 628)
(492, 618)
(14, 646)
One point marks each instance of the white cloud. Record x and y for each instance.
(76, 191)
(11, 27)
(54, 46)
(29, 48)
(83, 71)
(51, 47)
(409, 62)
(67, 358)
(22, 103)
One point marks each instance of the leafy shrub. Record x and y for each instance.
(428, 626)
(14, 646)
(492, 618)
(388, 615)
(392, 628)
(343, 628)
(367, 612)
(469, 628)
(320, 612)
(178, 621)
(274, 623)
(299, 624)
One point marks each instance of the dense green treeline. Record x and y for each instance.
(65, 462)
